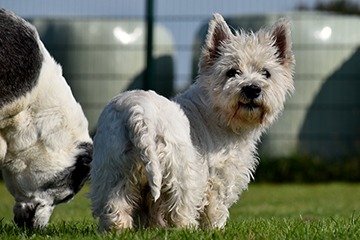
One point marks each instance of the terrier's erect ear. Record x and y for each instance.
(218, 32)
(281, 33)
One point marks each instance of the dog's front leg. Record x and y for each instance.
(215, 213)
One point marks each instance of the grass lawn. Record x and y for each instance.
(287, 211)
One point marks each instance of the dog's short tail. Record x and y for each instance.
(143, 136)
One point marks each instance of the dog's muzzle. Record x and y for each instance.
(249, 95)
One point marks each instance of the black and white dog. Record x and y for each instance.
(45, 147)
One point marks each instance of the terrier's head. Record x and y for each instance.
(247, 76)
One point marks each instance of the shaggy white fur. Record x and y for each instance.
(45, 148)
(185, 162)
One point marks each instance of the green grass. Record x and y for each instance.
(287, 211)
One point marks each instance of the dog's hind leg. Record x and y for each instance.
(184, 183)
(115, 176)
(123, 201)
(117, 216)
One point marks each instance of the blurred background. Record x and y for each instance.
(106, 47)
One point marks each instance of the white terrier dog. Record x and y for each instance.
(45, 147)
(185, 162)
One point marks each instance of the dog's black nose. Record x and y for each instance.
(251, 91)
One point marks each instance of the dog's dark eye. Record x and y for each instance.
(266, 73)
(232, 72)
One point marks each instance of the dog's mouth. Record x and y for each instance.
(250, 106)
(249, 112)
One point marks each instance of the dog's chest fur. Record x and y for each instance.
(230, 157)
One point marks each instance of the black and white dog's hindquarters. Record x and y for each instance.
(45, 147)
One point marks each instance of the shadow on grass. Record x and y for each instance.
(307, 169)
